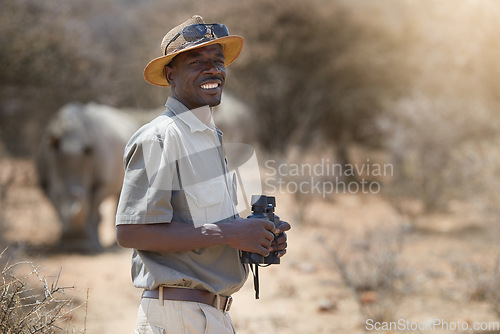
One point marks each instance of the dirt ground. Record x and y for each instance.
(306, 292)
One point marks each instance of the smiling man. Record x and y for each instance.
(197, 76)
(177, 208)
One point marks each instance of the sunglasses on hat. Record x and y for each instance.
(197, 32)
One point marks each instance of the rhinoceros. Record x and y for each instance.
(79, 164)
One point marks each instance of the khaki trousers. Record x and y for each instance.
(180, 317)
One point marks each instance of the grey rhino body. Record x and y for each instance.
(80, 163)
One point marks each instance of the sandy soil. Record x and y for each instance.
(304, 294)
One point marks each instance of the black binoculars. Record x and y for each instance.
(263, 207)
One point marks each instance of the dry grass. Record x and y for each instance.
(371, 268)
(481, 281)
(29, 301)
(32, 303)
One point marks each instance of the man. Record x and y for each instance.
(177, 208)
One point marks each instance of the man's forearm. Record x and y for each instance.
(169, 237)
(253, 235)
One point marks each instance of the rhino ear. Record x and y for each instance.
(54, 142)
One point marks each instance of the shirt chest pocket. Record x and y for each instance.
(207, 201)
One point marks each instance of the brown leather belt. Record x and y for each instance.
(190, 295)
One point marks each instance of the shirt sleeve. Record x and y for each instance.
(147, 186)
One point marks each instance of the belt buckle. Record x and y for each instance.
(227, 304)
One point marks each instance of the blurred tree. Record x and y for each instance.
(59, 51)
(314, 71)
(379, 74)
(309, 70)
(442, 136)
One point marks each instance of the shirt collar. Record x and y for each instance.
(186, 115)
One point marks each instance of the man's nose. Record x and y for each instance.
(213, 67)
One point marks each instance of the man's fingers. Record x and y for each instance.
(282, 227)
(279, 243)
(263, 251)
(281, 253)
(280, 247)
(267, 224)
(280, 239)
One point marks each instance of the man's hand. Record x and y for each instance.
(251, 234)
(279, 244)
(255, 235)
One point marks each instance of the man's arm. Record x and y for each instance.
(253, 235)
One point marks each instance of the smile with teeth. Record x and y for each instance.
(210, 86)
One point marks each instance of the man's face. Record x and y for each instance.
(197, 77)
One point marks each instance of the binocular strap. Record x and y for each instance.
(255, 272)
(254, 267)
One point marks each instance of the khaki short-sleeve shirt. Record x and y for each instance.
(175, 169)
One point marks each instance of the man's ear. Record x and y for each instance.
(169, 75)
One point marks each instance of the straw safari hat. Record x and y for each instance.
(153, 73)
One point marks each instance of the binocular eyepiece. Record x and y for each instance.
(263, 207)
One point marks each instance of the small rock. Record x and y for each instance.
(368, 297)
(307, 268)
(326, 305)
